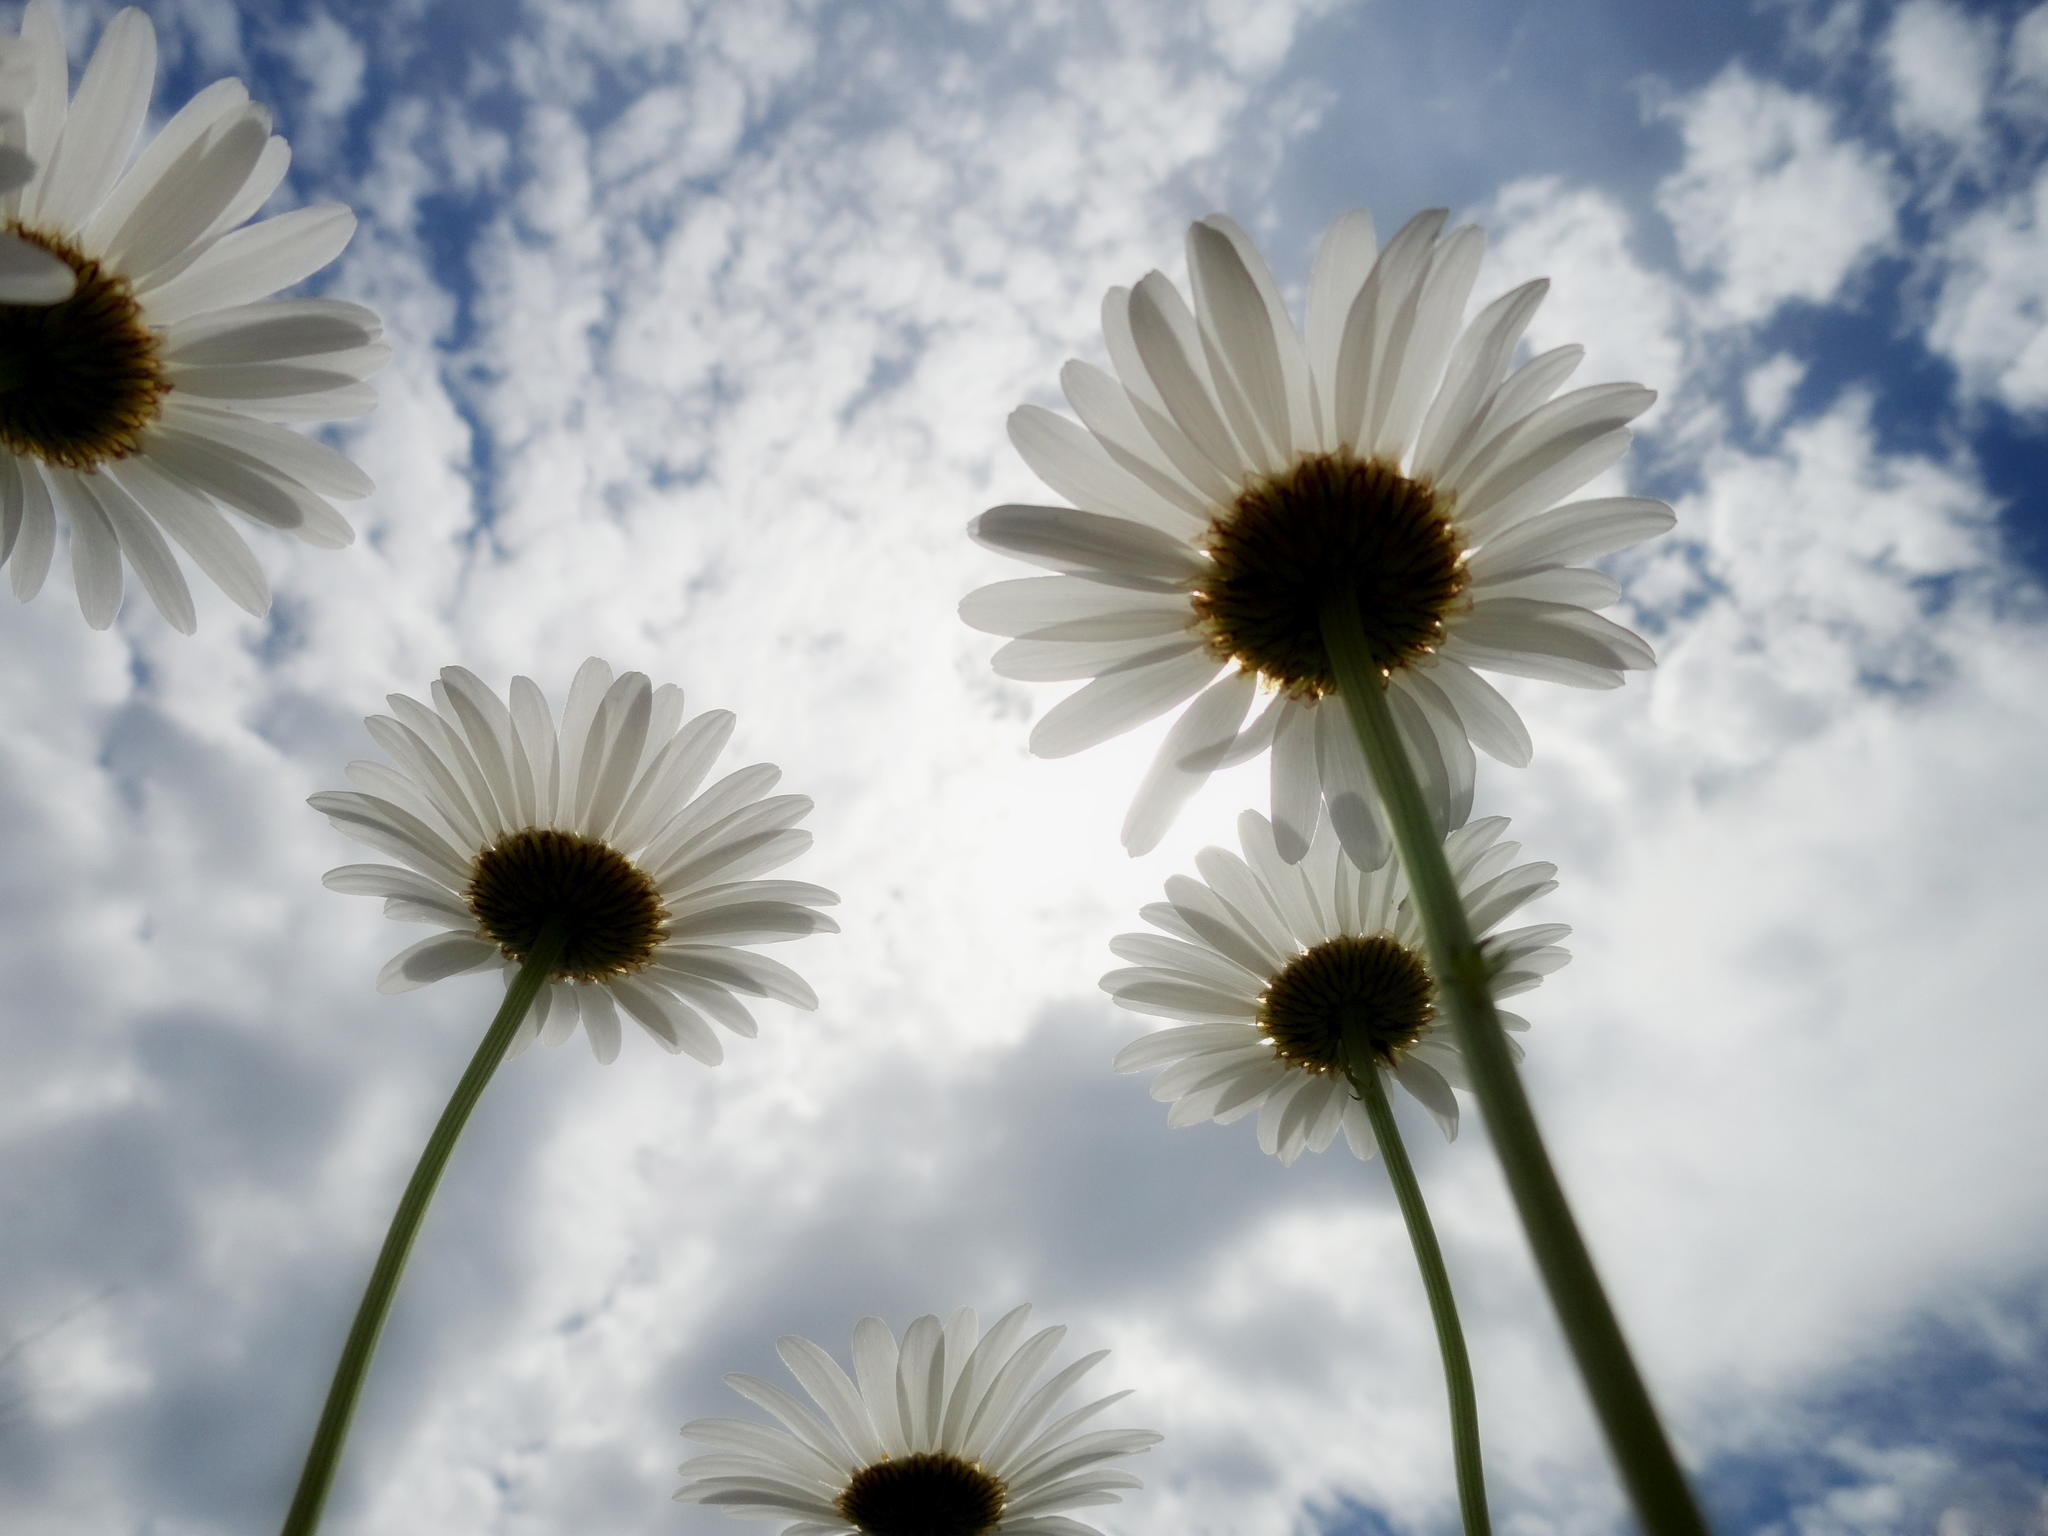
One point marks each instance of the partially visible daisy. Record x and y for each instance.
(1278, 969)
(1237, 477)
(507, 824)
(945, 1435)
(154, 395)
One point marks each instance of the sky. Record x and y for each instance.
(706, 323)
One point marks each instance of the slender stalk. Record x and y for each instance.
(1663, 1502)
(324, 1454)
(1443, 1306)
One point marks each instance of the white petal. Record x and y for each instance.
(664, 1016)
(1065, 539)
(1344, 260)
(253, 263)
(307, 460)
(434, 958)
(191, 194)
(1072, 608)
(31, 275)
(1074, 465)
(1113, 704)
(1347, 786)
(31, 548)
(1578, 530)
(200, 530)
(100, 127)
(143, 545)
(205, 111)
(95, 553)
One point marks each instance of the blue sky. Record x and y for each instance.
(707, 320)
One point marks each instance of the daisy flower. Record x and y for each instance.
(1281, 970)
(506, 824)
(945, 1435)
(1235, 479)
(153, 396)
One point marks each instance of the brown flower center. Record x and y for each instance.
(80, 380)
(1377, 991)
(611, 911)
(929, 1494)
(1332, 527)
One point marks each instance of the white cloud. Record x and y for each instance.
(726, 363)
(1628, 317)
(1768, 390)
(330, 60)
(1940, 60)
(1772, 204)
(1992, 301)
(2026, 60)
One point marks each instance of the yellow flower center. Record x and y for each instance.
(79, 381)
(1376, 991)
(929, 1494)
(1334, 526)
(611, 911)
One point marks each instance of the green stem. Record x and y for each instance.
(1664, 1504)
(1443, 1306)
(324, 1454)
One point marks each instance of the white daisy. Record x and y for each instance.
(153, 396)
(1234, 479)
(506, 824)
(944, 1436)
(1281, 968)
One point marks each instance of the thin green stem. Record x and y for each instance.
(324, 1454)
(1664, 1504)
(1443, 1306)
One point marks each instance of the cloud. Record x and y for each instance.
(1993, 297)
(709, 317)
(1940, 60)
(1772, 204)
(1629, 318)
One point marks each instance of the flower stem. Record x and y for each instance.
(1664, 1504)
(324, 1454)
(1443, 1306)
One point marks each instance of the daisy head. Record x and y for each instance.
(508, 825)
(1234, 480)
(950, 1433)
(151, 392)
(1289, 976)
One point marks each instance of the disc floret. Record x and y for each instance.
(1374, 993)
(1334, 526)
(80, 380)
(928, 1494)
(612, 912)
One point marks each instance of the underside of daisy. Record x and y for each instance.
(1284, 979)
(952, 1432)
(146, 393)
(601, 829)
(1236, 481)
